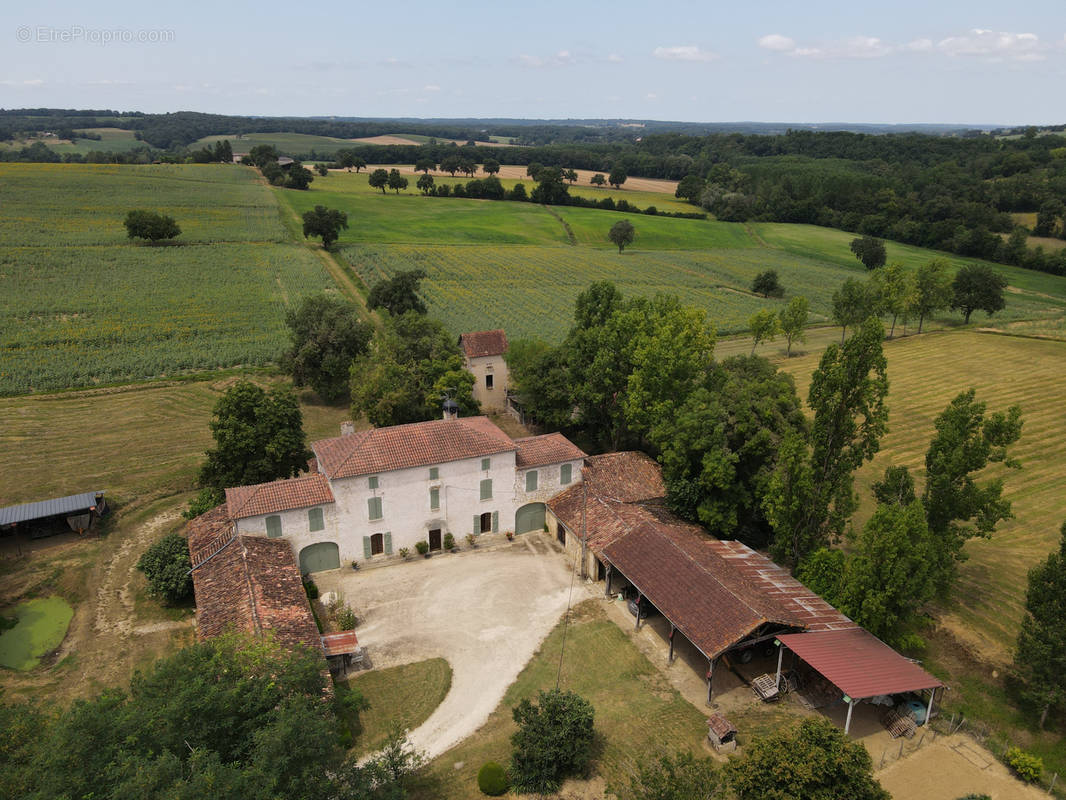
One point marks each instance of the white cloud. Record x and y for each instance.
(685, 52)
(614, 58)
(864, 47)
(996, 45)
(30, 82)
(651, 96)
(431, 87)
(560, 59)
(920, 45)
(777, 43)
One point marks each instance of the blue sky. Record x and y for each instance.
(905, 61)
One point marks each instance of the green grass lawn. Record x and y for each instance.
(402, 697)
(115, 140)
(638, 713)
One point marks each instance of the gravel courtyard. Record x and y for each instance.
(486, 611)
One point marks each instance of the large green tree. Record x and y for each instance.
(932, 289)
(259, 437)
(150, 226)
(895, 290)
(409, 362)
(813, 760)
(957, 506)
(231, 718)
(851, 304)
(681, 776)
(167, 568)
(793, 322)
(847, 396)
(763, 326)
(398, 294)
(1040, 658)
(720, 444)
(326, 223)
(870, 251)
(553, 741)
(622, 234)
(379, 179)
(326, 335)
(978, 287)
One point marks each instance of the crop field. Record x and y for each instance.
(924, 374)
(117, 140)
(80, 305)
(511, 265)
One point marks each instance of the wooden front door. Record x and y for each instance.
(434, 539)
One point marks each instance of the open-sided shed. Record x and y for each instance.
(79, 511)
(860, 665)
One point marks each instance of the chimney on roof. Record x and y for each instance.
(347, 428)
(451, 409)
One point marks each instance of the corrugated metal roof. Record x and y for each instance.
(48, 508)
(858, 663)
(338, 644)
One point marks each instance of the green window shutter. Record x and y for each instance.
(477, 524)
(373, 481)
(434, 499)
(486, 489)
(486, 463)
(531, 481)
(374, 507)
(495, 521)
(274, 527)
(388, 543)
(366, 547)
(314, 519)
(434, 473)
(566, 474)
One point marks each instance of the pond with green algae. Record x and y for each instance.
(39, 628)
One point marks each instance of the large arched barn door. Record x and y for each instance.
(529, 518)
(320, 556)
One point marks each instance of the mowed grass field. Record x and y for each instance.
(82, 305)
(512, 265)
(639, 715)
(925, 373)
(115, 140)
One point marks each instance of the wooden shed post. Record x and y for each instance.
(673, 630)
(847, 722)
(929, 708)
(636, 625)
(780, 655)
(710, 680)
(607, 589)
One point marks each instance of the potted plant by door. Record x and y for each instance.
(449, 543)
(423, 548)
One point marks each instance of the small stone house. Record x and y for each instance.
(483, 352)
(373, 492)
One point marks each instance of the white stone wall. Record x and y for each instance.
(494, 399)
(548, 485)
(296, 528)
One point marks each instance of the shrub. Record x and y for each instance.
(1025, 765)
(405, 553)
(449, 542)
(471, 540)
(166, 565)
(767, 284)
(150, 226)
(553, 740)
(422, 547)
(491, 779)
(206, 499)
(346, 619)
(311, 589)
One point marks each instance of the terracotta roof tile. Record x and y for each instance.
(253, 585)
(418, 444)
(628, 477)
(283, 495)
(205, 529)
(483, 343)
(551, 448)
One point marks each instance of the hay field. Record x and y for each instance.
(81, 305)
(925, 373)
(518, 173)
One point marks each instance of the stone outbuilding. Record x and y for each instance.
(483, 352)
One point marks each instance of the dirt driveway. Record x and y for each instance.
(486, 611)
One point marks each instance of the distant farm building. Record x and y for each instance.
(483, 352)
(76, 512)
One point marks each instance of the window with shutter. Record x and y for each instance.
(486, 463)
(367, 547)
(388, 543)
(477, 524)
(566, 474)
(374, 506)
(434, 473)
(373, 481)
(314, 519)
(495, 521)
(531, 481)
(486, 489)
(273, 527)
(434, 499)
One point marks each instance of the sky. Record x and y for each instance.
(904, 61)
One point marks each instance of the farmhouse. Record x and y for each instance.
(483, 355)
(373, 492)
